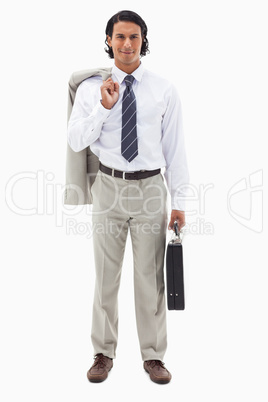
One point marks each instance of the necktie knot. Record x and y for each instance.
(129, 80)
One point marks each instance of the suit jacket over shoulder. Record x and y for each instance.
(81, 167)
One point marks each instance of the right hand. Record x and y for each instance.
(109, 93)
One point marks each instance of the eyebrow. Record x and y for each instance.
(134, 34)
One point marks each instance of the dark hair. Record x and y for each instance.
(130, 16)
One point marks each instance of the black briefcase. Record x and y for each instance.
(174, 273)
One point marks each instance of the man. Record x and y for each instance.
(132, 122)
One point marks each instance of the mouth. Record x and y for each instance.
(127, 51)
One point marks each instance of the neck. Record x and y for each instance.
(127, 68)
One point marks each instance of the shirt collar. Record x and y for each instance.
(120, 75)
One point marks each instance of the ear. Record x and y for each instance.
(109, 41)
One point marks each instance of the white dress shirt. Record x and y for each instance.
(159, 128)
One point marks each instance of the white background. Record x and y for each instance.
(216, 54)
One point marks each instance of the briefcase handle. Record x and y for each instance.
(176, 229)
(176, 238)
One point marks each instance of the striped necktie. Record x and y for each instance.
(129, 142)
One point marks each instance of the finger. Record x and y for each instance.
(171, 224)
(109, 87)
(107, 83)
(116, 87)
(181, 224)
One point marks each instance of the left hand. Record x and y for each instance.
(178, 216)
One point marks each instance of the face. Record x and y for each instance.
(126, 43)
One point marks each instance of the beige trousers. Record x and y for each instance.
(138, 206)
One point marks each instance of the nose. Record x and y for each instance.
(127, 43)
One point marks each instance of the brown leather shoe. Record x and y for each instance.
(100, 368)
(158, 373)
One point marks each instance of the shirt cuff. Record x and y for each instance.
(100, 111)
(178, 204)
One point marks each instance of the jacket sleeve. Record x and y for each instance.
(87, 117)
